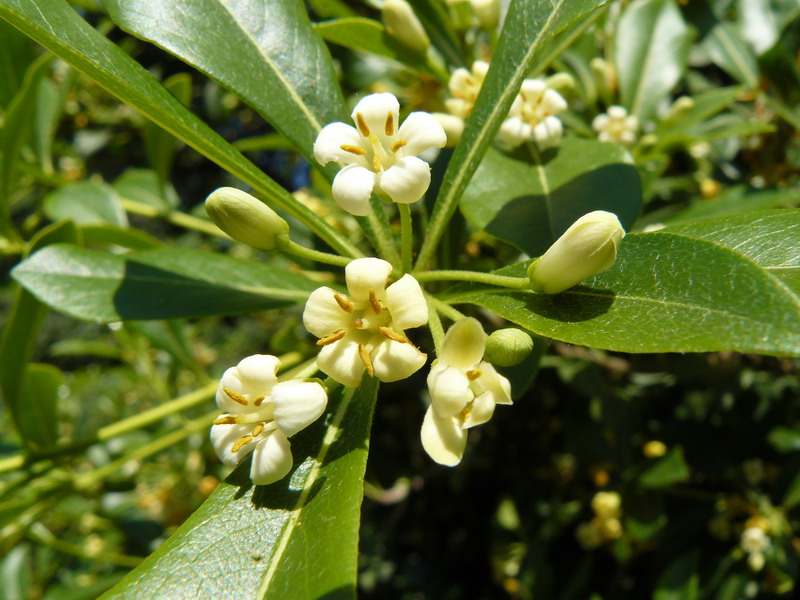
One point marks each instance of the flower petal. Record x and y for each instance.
(297, 404)
(548, 132)
(407, 180)
(394, 361)
(365, 274)
(253, 377)
(375, 111)
(421, 131)
(481, 411)
(351, 189)
(272, 459)
(514, 131)
(492, 382)
(223, 437)
(342, 361)
(464, 344)
(443, 438)
(406, 303)
(331, 138)
(453, 127)
(322, 315)
(449, 389)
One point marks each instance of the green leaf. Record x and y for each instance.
(669, 469)
(16, 54)
(38, 416)
(527, 27)
(680, 580)
(652, 47)
(86, 203)
(736, 200)
(784, 439)
(160, 146)
(359, 34)
(268, 54)
(531, 205)
(111, 235)
(297, 538)
(156, 284)
(55, 25)
(143, 185)
(730, 52)
(704, 106)
(667, 292)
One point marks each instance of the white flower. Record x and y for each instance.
(464, 88)
(532, 116)
(464, 391)
(379, 155)
(754, 540)
(616, 126)
(366, 329)
(261, 414)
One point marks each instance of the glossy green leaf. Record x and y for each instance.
(736, 200)
(143, 185)
(268, 54)
(86, 203)
(359, 34)
(705, 105)
(730, 52)
(528, 25)
(297, 538)
(111, 235)
(761, 21)
(530, 205)
(55, 25)
(160, 146)
(652, 47)
(38, 415)
(667, 292)
(156, 284)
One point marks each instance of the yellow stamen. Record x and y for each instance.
(343, 302)
(245, 439)
(362, 125)
(353, 149)
(464, 414)
(393, 335)
(258, 428)
(389, 129)
(259, 400)
(374, 304)
(362, 352)
(236, 397)
(334, 337)
(397, 145)
(473, 374)
(225, 421)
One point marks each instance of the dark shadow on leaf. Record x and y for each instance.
(276, 495)
(346, 592)
(581, 303)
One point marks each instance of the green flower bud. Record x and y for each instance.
(246, 219)
(508, 347)
(563, 83)
(587, 248)
(403, 25)
(678, 110)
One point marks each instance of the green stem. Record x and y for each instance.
(446, 310)
(385, 243)
(173, 216)
(435, 324)
(38, 532)
(406, 235)
(474, 276)
(295, 249)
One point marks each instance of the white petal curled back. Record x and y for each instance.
(449, 389)
(491, 381)
(482, 411)
(365, 274)
(443, 438)
(223, 437)
(464, 344)
(322, 315)
(341, 361)
(254, 376)
(393, 361)
(297, 404)
(406, 303)
(331, 138)
(272, 459)
(376, 110)
(407, 180)
(421, 131)
(351, 189)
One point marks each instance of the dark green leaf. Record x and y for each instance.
(156, 284)
(38, 416)
(680, 580)
(531, 205)
(16, 54)
(297, 538)
(111, 235)
(669, 469)
(729, 51)
(86, 203)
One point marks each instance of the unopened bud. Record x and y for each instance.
(453, 127)
(587, 248)
(678, 110)
(488, 13)
(246, 219)
(403, 24)
(563, 83)
(605, 78)
(508, 347)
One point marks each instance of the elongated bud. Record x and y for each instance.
(587, 248)
(246, 219)
(488, 13)
(403, 24)
(508, 347)
(678, 110)
(563, 83)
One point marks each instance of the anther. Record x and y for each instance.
(473, 374)
(362, 352)
(353, 149)
(397, 145)
(343, 302)
(374, 304)
(362, 125)
(389, 129)
(464, 414)
(245, 439)
(235, 396)
(259, 400)
(229, 420)
(393, 335)
(334, 337)
(258, 429)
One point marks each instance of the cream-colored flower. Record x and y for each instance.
(261, 414)
(532, 116)
(403, 24)
(365, 329)
(754, 540)
(616, 126)
(464, 88)
(380, 154)
(464, 391)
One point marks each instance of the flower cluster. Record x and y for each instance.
(616, 126)
(606, 526)
(533, 116)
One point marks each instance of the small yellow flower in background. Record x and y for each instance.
(607, 505)
(380, 154)
(587, 248)
(261, 414)
(365, 330)
(464, 88)
(464, 391)
(616, 126)
(532, 116)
